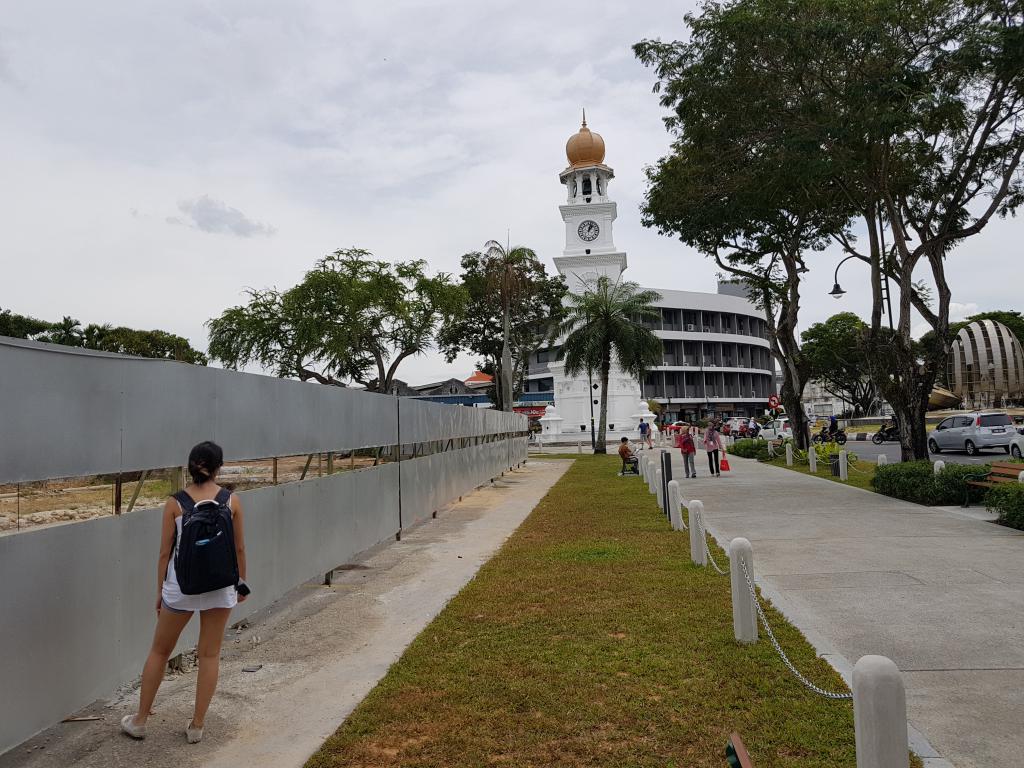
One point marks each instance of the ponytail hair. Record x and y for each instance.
(204, 460)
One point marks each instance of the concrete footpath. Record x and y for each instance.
(939, 592)
(318, 652)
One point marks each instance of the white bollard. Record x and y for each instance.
(938, 466)
(744, 613)
(675, 499)
(651, 477)
(642, 466)
(789, 454)
(879, 714)
(697, 551)
(579, 446)
(812, 459)
(658, 490)
(1020, 477)
(882, 459)
(844, 466)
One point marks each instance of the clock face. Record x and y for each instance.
(588, 230)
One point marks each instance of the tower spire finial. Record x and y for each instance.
(584, 116)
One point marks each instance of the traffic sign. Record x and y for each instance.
(773, 401)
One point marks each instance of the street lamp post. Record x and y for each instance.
(837, 292)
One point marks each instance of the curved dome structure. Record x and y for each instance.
(585, 147)
(986, 365)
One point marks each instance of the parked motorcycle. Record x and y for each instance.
(886, 435)
(838, 437)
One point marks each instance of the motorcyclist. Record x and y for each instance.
(833, 425)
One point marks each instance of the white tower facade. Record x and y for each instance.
(589, 253)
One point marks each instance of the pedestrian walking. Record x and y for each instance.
(713, 444)
(686, 446)
(201, 568)
(645, 435)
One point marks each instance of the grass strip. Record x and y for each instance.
(860, 473)
(591, 640)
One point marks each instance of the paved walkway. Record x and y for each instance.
(321, 652)
(940, 593)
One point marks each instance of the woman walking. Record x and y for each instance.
(713, 444)
(205, 506)
(685, 444)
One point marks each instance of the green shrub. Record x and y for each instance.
(747, 448)
(916, 481)
(1008, 500)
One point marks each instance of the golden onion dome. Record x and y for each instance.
(585, 147)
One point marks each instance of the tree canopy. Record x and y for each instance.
(891, 128)
(106, 338)
(834, 350)
(493, 281)
(351, 319)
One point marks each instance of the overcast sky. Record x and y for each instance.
(158, 158)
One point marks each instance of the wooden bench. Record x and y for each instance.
(736, 755)
(1002, 472)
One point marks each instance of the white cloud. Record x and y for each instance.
(215, 216)
(414, 130)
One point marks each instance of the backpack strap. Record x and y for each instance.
(222, 496)
(186, 502)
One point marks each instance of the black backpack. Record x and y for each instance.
(205, 558)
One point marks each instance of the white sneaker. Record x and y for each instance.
(135, 731)
(194, 735)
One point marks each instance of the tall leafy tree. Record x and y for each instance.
(21, 326)
(604, 324)
(733, 189)
(129, 341)
(106, 338)
(513, 308)
(351, 319)
(912, 111)
(834, 350)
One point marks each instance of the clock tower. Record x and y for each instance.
(588, 213)
(590, 253)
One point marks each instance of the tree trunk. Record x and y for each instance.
(794, 408)
(506, 363)
(602, 429)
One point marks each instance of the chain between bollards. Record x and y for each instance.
(704, 537)
(782, 654)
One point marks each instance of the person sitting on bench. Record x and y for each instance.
(630, 463)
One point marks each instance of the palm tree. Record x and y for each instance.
(68, 332)
(606, 320)
(506, 276)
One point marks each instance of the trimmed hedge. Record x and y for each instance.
(916, 481)
(748, 448)
(1008, 500)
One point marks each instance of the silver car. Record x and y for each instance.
(972, 432)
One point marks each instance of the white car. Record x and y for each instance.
(1017, 447)
(780, 429)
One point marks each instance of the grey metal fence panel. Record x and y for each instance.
(43, 431)
(65, 414)
(72, 632)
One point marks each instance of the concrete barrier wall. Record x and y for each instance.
(77, 601)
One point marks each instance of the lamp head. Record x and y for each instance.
(837, 292)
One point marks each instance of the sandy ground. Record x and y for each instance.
(320, 649)
(68, 500)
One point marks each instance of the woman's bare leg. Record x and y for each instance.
(211, 634)
(168, 629)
